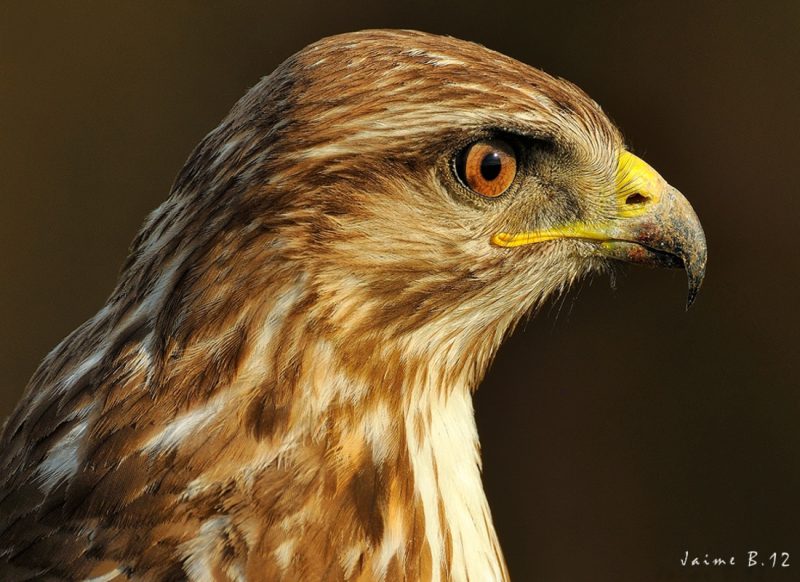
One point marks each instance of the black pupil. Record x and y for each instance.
(491, 164)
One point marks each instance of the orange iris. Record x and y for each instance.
(488, 167)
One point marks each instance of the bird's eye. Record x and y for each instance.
(487, 167)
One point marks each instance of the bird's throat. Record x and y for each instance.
(442, 441)
(388, 458)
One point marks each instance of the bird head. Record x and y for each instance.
(417, 189)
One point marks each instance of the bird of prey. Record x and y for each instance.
(280, 385)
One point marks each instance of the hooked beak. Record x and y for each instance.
(654, 225)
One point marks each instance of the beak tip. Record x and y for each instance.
(695, 272)
(692, 296)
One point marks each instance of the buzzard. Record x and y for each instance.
(279, 387)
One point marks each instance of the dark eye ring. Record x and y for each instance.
(487, 167)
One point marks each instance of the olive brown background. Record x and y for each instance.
(618, 430)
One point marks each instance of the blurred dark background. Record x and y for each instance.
(618, 430)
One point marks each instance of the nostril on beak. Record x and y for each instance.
(636, 198)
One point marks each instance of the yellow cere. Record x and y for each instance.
(636, 177)
(638, 185)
